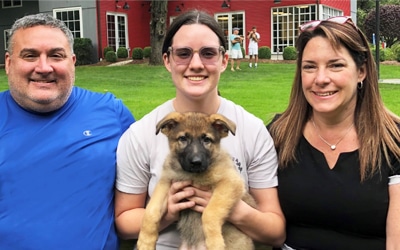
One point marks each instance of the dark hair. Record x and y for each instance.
(193, 17)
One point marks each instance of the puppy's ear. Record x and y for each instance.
(222, 124)
(169, 122)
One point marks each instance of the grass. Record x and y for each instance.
(263, 91)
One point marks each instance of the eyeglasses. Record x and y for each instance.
(208, 55)
(314, 24)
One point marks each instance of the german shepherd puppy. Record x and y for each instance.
(196, 155)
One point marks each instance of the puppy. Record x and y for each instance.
(196, 155)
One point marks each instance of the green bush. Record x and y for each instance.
(122, 52)
(243, 51)
(389, 54)
(289, 53)
(396, 51)
(137, 53)
(106, 49)
(382, 56)
(147, 52)
(264, 52)
(111, 56)
(83, 50)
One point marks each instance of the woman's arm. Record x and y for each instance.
(265, 224)
(393, 219)
(130, 209)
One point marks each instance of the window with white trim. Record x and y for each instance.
(7, 34)
(72, 17)
(11, 3)
(286, 21)
(228, 21)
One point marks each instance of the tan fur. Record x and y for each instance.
(227, 185)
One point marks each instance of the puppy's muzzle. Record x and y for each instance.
(195, 158)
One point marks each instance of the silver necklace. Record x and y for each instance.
(332, 146)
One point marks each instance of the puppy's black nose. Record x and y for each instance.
(196, 161)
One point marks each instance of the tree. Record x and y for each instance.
(365, 6)
(157, 30)
(389, 20)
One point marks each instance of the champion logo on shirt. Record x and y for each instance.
(87, 133)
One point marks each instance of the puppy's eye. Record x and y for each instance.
(182, 138)
(207, 140)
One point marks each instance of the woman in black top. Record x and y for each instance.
(338, 146)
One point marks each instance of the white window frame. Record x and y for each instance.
(126, 30)
(79, 9)
(7, 34)
(288, 19)
(14, 4)
(229, 25)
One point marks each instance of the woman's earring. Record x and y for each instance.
(360, 85)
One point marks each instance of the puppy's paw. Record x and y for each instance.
(146, 244)
(216, 244)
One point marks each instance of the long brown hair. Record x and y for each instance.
(377, 127)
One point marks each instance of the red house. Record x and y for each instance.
(126, 23)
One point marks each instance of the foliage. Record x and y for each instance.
(137, 53)
(111, 56)
(388, 24)
(396, 51)
(83, 50)
(267, 94)
(106, 49)
(289, 53)
(365, 6)
(243, 51)
(122, 52)
(389, 54)
(382, 54)
(264, 52)
(147, 52)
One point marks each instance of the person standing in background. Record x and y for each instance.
(57, 145)
(236, 50)
(254, 38)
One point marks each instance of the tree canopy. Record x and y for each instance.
(389, 19)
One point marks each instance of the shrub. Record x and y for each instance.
(106, 49)
(289, 53)
(111, 56)
(264, 52)
(243, 51)
(122, 52)
(382, 56)
(83, 50)
(396, 51)
(147, 52)
(389, 54)
(137, 53)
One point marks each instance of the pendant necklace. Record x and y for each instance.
(332, 146)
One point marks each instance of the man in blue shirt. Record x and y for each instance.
(236, 49)
(57, 146)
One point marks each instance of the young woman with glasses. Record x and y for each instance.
(338, 146)
(194, 54)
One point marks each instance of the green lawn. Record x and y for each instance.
(263, 91)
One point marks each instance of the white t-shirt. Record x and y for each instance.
(141, 154)
(253, 44)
